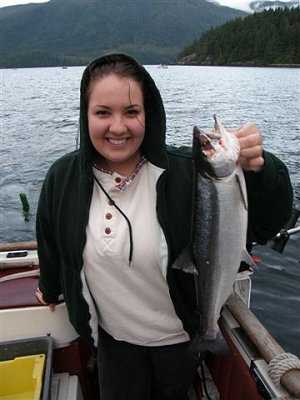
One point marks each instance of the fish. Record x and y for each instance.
(217, 243)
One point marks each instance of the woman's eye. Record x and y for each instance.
(132, 113)
(101, 113)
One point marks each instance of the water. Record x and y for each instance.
(39, 114)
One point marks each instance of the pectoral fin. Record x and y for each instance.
(246, 257)
(184, 262)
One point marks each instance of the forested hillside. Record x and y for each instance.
(265, 38)
(62, 32)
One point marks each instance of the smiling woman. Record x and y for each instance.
(115, 214)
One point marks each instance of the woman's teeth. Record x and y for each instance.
(117, 141)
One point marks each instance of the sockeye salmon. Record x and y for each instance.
(219, 228)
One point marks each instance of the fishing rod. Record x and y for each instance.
(282, 237)
(287, 232)
(280, 240)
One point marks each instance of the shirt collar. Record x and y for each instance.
(127, 180)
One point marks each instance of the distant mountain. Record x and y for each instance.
(71, 32)
(261, 5)
(251, 6)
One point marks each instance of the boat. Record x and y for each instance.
(165, 66)
(243, 374)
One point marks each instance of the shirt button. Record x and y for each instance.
(108, 216)
(107, 231)
(118, 179)
(110, 203)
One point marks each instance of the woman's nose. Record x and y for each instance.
(117, 126)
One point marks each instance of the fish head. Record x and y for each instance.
(215, 153)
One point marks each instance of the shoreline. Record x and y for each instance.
(247, 64)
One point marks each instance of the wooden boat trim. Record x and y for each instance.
(265, 343)
(18, 246)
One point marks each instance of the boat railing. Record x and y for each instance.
(283, 368)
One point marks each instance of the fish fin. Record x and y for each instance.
(217, 125)
(246, 257)
(184, 262)
(217, 346)
(242, 185)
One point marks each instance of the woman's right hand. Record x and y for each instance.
(39, 297)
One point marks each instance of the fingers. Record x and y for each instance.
(251, 149)
(252, 164)
(249, 136)
(39, 297)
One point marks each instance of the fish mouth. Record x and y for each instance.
(216, 152)
(206, 141)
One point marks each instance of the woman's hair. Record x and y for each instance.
(113, 64)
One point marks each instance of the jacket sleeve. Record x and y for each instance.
(48, 253)
(270, 197)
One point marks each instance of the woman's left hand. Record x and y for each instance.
(39, 297)
(251, 149)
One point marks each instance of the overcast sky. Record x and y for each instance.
(6, 3)
(239, 4)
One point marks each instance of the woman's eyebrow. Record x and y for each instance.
(108, 107)
(100, 105)
(133, 105)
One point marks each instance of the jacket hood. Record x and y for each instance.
(153, 146)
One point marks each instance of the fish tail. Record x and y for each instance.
(217, 346)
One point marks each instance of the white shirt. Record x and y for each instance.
(132, 301)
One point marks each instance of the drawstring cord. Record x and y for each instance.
(121, 212)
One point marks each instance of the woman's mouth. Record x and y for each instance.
(116, 142)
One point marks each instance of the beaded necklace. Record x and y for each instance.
(125, 182)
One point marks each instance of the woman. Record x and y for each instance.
(115, 214)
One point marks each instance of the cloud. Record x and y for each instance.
(7, 3)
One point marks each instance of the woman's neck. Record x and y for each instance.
(125, 168)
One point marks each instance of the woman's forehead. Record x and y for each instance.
(113, 87)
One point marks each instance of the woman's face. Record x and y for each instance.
(116, 120)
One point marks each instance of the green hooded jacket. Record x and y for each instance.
(65, 199)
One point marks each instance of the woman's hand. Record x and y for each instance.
(39, 297)
(251, 149)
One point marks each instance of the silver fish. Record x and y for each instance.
(219, 227)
